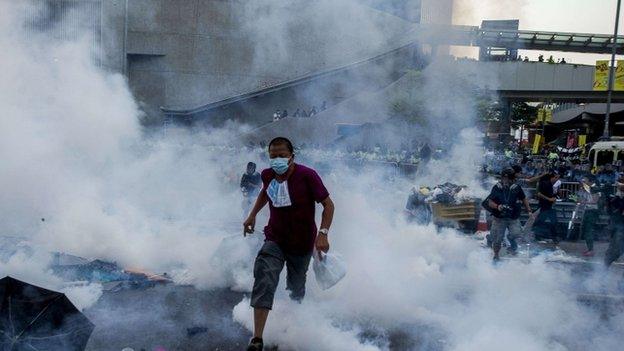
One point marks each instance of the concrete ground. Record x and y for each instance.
(170, 317)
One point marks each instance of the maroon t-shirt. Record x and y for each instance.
(293, 227)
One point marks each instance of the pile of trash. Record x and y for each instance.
(449, 193)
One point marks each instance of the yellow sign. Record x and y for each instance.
(582, 140)
(536, 144)
(540, 115)
(548, 115)
(601, 75)
(619, 76)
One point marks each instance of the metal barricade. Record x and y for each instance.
(569, 188)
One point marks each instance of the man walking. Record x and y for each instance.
(505, 208)
(292, 191)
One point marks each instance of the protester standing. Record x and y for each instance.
(616, 224)
(504, 203)
(291, 190)
(590, 214)
(250, 186)
(547, 198)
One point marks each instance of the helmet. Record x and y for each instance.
(424, 191)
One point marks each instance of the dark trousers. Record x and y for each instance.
(267, 268)
(616, 244)
(550, 228)
(589, 222)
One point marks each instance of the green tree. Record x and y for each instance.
(522, 113)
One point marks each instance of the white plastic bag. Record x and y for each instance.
(329, 271)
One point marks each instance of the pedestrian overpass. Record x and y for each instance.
(516, 39)
(538, 81)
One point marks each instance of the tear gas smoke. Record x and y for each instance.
(73, 152)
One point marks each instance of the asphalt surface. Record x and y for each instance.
(174, 317)
(167, 317)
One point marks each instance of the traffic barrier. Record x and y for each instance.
(482, 225)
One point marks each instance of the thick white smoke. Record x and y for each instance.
(73, 153)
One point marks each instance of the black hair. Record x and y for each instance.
(516, 168)
(509, 173)
(281, 141)
(251, 164)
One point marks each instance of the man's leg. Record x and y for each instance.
(616, 244)
(539, 224)
(296, 269)
(269, 263)
(589, 221)
(497, 232)
(260, 318)
(552, 216)
(515, 231)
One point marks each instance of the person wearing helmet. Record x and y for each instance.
(504, 204)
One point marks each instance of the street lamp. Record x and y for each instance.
(606, 134)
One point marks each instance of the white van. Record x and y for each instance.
(603, 152)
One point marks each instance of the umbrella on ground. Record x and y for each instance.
(34, 318)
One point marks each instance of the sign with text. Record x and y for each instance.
(619, 76)
(601, 75)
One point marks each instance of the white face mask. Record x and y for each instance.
(278, 193)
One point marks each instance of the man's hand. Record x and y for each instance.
(553, 199)
(248, 225)
(322, 244)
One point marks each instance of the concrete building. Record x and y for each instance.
(188, 56)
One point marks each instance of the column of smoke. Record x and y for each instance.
(72, 151)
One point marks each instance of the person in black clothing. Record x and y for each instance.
(425, 153)
(616, 226)
(297, 113)
(547, 197)
(504, 205)
(250, 185)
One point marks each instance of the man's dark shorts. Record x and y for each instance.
(267, 268)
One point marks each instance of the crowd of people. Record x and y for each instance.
(550, 178)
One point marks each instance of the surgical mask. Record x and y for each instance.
(279, 164)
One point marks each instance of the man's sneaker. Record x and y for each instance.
(255, 344)
(588, 253)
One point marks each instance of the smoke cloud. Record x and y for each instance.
(74, 153)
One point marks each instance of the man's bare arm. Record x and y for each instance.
(525, 201)
(328, 213)
(261, 201)
(492, 204)
(250, 222)
(322, 243)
